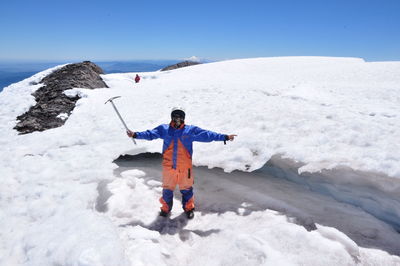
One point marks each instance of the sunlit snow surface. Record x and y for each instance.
(322, 112)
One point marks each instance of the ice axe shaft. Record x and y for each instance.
(119, 115)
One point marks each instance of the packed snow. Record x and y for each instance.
(63, 202)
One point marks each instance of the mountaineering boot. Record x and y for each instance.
(190, 214)
(163, 213)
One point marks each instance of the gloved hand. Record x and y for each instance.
(131, 134)
(230, 137)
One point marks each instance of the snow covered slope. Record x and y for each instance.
(322, 112)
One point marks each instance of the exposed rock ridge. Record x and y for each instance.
(53, 106)
(179, 65)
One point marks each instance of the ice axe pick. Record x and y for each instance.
(116, 110)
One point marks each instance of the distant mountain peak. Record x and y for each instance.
(193, 59)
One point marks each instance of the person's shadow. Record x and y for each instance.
(168, 226)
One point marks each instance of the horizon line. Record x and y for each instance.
(205, 60)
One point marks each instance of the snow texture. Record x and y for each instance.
(61, 202)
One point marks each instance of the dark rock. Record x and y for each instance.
(179, 65)
(50, 99)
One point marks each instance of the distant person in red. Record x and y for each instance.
(137, 78)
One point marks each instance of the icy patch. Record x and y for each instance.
(335, 235)
(375, 193)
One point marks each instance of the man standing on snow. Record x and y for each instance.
(177, 157)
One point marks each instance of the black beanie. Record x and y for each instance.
(178, 112)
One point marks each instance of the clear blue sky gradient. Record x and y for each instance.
(132, 30)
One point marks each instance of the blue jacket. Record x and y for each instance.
(185, 135)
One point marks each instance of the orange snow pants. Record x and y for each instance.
(181, 176)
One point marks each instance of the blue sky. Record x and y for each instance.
(216, 30)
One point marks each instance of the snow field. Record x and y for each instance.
(323, 112)
(259, 238)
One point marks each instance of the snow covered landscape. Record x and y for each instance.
(313, 177)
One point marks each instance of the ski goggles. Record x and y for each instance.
(177, 117)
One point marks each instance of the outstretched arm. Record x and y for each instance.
(155, 133)
(203, 135)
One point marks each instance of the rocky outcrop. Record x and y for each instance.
(53, 106)
(179, 65)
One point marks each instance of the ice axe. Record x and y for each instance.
(116, 110)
